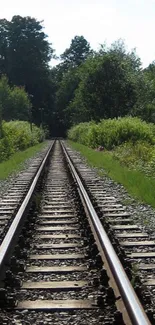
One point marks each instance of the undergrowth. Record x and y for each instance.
(139, 156)
(112, 132)
(17, 136)
(15, 163)
(129, 140)
(136, 182)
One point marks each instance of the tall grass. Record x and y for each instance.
(15, 163)
(17, 136)
(135, 182)
(112, 132)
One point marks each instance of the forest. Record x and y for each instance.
(85, 85)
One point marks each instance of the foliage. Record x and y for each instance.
(65, 95)
(85, 86)
(24, 57)
(16, 161)
(110, 84)
(77, 53)
(4, 99)
(131, 140)
(14, 102)
(136, 182)
(119, 49)
(140, 156)
(106, 90)
(112, 132)
(145, 104)
(17, 136)
(66, 78)
(130, 154)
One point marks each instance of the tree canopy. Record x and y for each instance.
(14, 102)
(77, 53)
(24, 57)
(102, 86)
(85, 85)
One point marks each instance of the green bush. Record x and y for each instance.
(79, 133)
(130, 154)
(14, 102)
(17, 136)
(139, 156)
(112, 132)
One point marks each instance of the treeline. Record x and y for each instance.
(25, 54)
(85, 85)
(107, 84)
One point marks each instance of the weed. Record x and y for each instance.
(17, 136)
(112, 132)
(136, 182)
(135, 272)
(15, 163)
(127, 201)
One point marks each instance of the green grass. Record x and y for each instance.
(15, 163)
(136, 183)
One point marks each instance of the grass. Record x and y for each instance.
(136, 183)
(15, 163)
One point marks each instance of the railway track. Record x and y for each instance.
(11, 200)
(55, 265)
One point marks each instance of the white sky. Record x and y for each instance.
(96, 20)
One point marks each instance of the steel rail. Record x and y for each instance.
(133, 306)
(8, 241)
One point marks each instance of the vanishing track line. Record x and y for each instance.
(60, 260)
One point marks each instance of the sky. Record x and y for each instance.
(97, 20)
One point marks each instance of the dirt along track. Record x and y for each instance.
(57, 273)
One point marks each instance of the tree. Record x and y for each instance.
(145, 105)
(107, 87)
(27, 41)
(77, 53)
(66, 80)
(5, 93)
(64, 96)
(4, 43)
(119, 49)
(20, 105)
(14, 102)
(27, 52)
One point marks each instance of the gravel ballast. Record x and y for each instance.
(6, 184)
(142, 214)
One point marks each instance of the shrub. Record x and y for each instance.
(18, 136)
(132, 154)
(14, 102)
(113, 132)
(79, 133)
